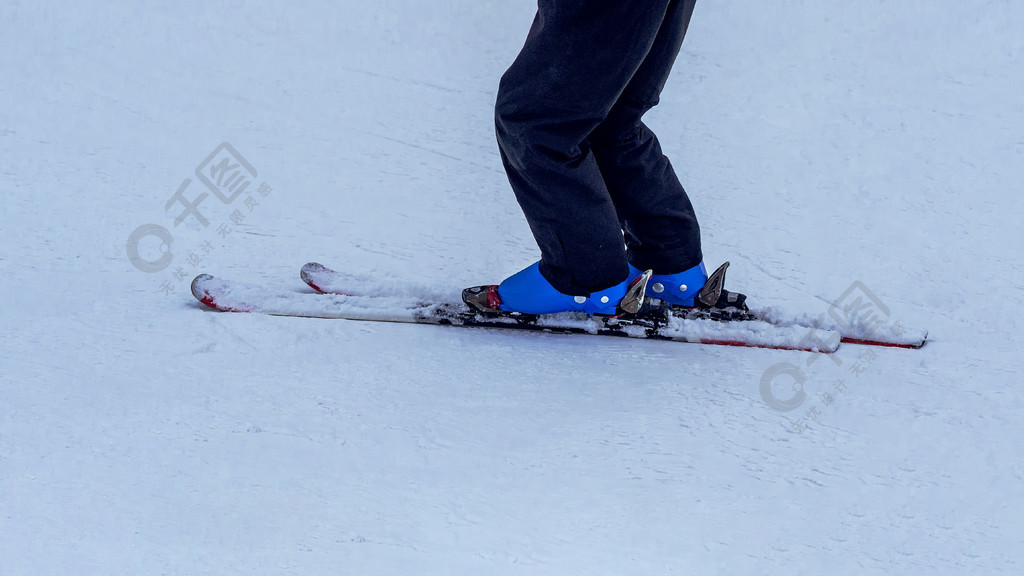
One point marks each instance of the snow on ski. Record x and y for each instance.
(863, 329)
(854, 328)
(401, 306)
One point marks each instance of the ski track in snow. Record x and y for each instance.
(144, 434)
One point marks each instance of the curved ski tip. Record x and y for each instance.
(315, 268)
(309, 270)
(197, 282)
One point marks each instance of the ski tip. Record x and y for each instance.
(197, 285)
(200, 292)
(315, 267)
(310, 270)
(216, 293)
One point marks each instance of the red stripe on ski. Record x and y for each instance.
(739, 344)
(914, 346)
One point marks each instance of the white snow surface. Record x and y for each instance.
(827, 146)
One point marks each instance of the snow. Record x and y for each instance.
(823, 143)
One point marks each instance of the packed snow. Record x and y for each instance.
(871, 151)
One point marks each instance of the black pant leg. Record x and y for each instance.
(578, 58)
(655, 213)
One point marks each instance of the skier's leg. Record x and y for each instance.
(578, 58)
(656, 215)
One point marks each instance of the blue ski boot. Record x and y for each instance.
(693, 288)
(528, 292)
(675, 289)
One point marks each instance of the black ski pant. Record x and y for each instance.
(589, 175)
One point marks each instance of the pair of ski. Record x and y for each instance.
(371, 298)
